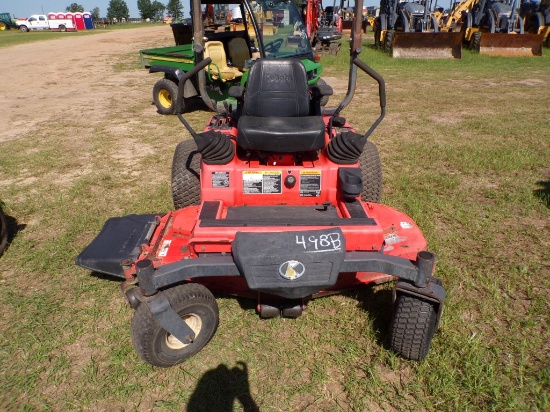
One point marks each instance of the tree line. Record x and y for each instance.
(118, 9)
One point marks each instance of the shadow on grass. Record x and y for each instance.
(544, 192)
(104, 276)
(218, 389)
(378, 304)
(12, 229)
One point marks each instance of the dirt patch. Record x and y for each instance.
(339, 86)
(79, 87)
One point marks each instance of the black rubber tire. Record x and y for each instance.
(186, 166)
(491, 22)
(475, 41)
(388, 42)
(535, 21)
(165, 92)
(3, 232)
(152, 342)
(412, 327)
(62, 28)
(23, 29)
(371, 170)
(324, 100)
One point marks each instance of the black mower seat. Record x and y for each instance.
(276, 113)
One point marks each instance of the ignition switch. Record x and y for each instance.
(290, 181)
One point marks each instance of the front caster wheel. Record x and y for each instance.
(197, 307)
(324, 100)
(412, 327)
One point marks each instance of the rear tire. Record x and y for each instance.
(388, 42)
(165, 92)
(186, 164)
(324, 100)
(3, 26)
(197, 307)
(412, 327)
(475, 41)
(371, 170)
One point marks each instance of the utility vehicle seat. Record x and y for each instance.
(276, 111)
(239, 52)
(219, 69)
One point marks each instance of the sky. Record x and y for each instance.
(24, 8)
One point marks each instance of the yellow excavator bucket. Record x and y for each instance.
(441, 45)
(502, 44)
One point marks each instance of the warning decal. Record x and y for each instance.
(164, 248)
(220, 179)
(262, 182)
(310, 183)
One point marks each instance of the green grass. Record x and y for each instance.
(465, 148)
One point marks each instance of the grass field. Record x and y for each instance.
(465, 148)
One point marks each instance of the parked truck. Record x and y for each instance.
(41, 22)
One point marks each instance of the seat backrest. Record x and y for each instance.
(239, 52)
(277, 88)
(215, 50)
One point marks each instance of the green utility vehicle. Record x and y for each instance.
(233, 35)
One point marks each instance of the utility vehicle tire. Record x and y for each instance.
(3, 232)
(197, 307)
(3, 26)
(62, 28)
(165, 92)
(324, 99)
(475, 41)
(23, 29)
(371, 169)
(186, 166)
(412, 327)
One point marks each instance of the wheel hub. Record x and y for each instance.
(194, 322)
(165, 99)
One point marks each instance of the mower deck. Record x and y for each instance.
(367, 237)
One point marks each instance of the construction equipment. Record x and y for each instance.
(232, 35)
(408, 29)
(6, 22)
(494, 27)
(324, 27)
(536, 17)
(280, 220)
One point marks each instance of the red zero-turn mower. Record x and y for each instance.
(281, 220)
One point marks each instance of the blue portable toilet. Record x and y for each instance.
(88, 22)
